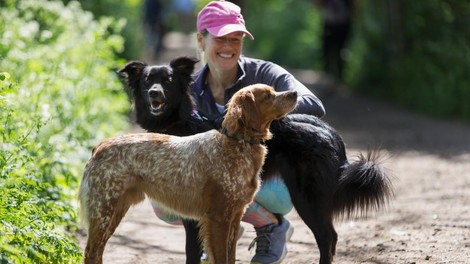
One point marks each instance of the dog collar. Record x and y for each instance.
(239, 137)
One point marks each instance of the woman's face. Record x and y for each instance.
(221, 52)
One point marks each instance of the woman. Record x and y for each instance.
(221, 30)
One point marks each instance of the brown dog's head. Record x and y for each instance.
(252, 109)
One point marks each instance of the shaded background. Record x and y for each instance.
(412, 53)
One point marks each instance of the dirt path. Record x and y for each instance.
(427, 222)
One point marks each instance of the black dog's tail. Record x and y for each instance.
(363, 186)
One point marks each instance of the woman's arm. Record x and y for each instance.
(278, 77)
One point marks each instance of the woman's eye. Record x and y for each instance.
(222, 40)
(235, 41)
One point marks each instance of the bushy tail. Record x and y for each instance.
(83, 196)
(364, 186)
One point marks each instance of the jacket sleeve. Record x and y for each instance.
(282, 80)
(309, 104)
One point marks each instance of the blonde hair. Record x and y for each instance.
(200, 52)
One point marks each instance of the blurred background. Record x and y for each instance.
(60, 94)
(413, 53)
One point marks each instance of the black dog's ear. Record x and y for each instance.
(132, 71)
(184, 65)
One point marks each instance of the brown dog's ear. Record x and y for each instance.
(184, 65)
(248, 116)
(132, 71)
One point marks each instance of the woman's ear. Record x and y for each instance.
(200, 41)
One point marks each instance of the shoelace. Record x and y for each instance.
(263, 242)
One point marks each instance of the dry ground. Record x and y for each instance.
(428, 221)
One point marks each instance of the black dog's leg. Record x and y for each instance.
(313, 206)
(319, 219)
(193, 244)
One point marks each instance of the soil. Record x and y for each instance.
(428, 221)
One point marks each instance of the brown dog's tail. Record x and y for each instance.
(363, 186)
(83, 196)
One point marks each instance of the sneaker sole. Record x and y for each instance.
(289, 232)
(284, 253)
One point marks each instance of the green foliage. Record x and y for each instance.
(414, 53)
(129, 11)
(58, 97)
(34, 218)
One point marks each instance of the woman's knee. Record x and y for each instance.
(274, 196)
(165, 216)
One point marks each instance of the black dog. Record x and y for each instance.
(308, 154)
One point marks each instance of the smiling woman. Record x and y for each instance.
(221, 54)
(220, 33)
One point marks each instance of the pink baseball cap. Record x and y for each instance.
(221, 18)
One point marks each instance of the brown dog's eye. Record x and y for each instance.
(269, 96)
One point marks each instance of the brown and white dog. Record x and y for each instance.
(210, 176)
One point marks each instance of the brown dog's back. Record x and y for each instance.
(145, 160)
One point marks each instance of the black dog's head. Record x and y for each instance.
(160, 93)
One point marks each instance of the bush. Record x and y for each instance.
(59, 96)
(35, 219)
(128, 10)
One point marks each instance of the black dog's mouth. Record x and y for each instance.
(157, 107)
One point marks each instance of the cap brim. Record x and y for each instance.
(229, 28)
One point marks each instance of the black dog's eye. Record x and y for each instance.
(167, 79)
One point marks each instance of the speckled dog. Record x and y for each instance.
(210, 176)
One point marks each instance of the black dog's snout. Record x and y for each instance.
(155, 93)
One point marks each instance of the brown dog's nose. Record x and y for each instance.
(289, 94)
(293, 94)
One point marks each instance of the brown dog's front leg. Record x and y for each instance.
(233, 237)
(216, 236)
(232, 242)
